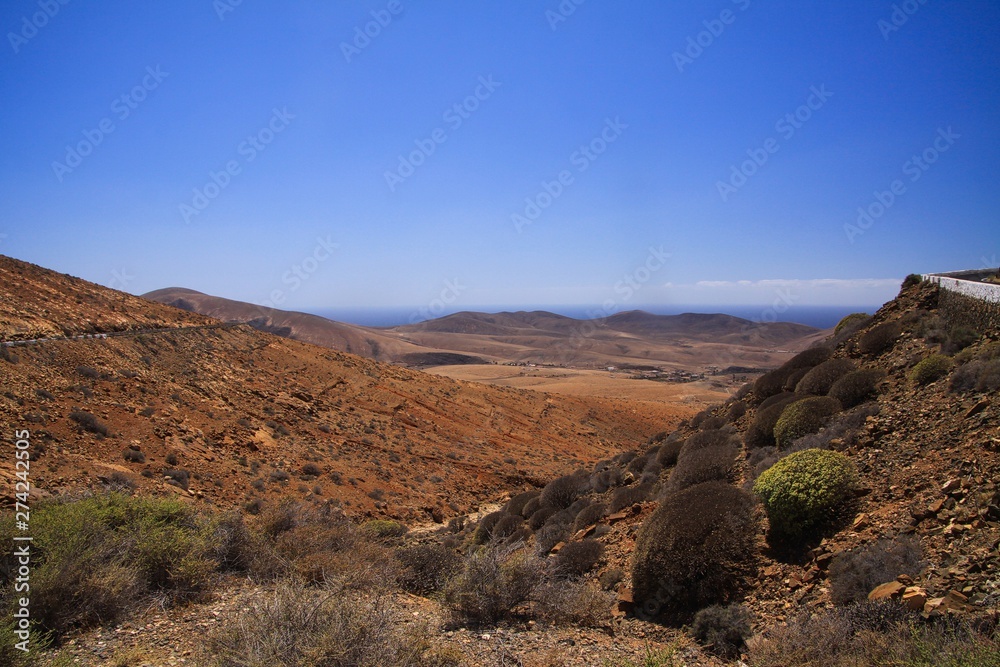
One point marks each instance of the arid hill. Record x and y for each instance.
(690, 341)
(180, 403)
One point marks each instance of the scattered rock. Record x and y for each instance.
(892, 590)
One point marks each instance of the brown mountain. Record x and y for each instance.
(235, 414)
(688, 341)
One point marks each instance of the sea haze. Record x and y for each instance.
(822, 317)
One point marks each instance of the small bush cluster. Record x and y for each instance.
(853, 574)
(856, 387)
(427, 567)
(804, 417)
(89, 422)
(133, 456)
(715, 463)
(821, 378)
(96, 558)
(880, 338)
(576, 602)
(722, 629)
(930, 369)
(695, 550)
(301, 626)
(802, 491)
(562, 491)
(630, 495)
(854, 321)
(492, 582)
(578, 558)
(874, 634)
(979, 375)
(761, 430)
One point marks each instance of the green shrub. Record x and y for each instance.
(95, 559)
(853, 574)
(736, 410)
(856, 387)
(535, 521)
(800, 491)
(958, 339)
(761, 430)
(820, 378)
(492, 581)
(880, 338)
(852, 321)
(384, 528)
(792, 379)
(912, 280)
(804, 417)
(507, 526)
(930, 369)
(703, 439)
(696, 549)
(531, 507)
(723, 630)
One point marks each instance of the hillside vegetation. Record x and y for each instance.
(843, 509)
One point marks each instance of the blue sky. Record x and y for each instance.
(502, 154)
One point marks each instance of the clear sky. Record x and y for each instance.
(333, 154)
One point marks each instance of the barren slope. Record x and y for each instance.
(247, 414)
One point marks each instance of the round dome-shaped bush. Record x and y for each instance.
(802, 490)
(931, 368)
(820, 378)
(804, 417)
(856, 387)
(696, 549)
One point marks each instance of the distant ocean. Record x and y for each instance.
(822, 317)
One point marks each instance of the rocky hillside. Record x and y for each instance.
(905, 399)
(228, 415)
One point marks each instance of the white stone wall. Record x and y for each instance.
(983, 291)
